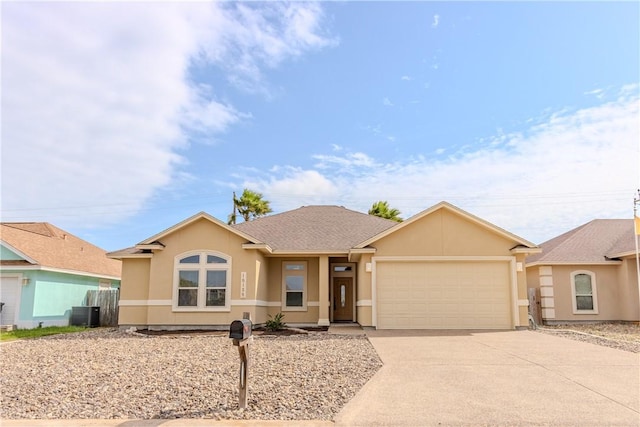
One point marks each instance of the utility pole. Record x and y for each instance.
(636, 228)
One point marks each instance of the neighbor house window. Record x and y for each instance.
(583, 289)
(202, 281)
(294, 285)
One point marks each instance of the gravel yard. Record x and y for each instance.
(622, 336)
(107, 374)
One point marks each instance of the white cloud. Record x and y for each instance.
(406, 78)
(561, 172)
(387, 102)
(98, 102)
(436, 21)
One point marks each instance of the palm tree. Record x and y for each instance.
(382, 209)
(249, 205)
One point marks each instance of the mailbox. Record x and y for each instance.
(240, 329)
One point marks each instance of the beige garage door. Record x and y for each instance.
(443, 295)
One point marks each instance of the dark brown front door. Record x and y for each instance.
(342, 298)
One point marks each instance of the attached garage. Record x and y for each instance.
(432, 293)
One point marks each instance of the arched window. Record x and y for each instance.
(583, 290)
(202, 281)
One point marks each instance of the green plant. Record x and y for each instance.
(39, 332)
(275, 323)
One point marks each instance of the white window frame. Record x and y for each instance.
(202, 267)
(594, 293)
(304, 274)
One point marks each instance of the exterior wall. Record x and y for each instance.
(134, 291)
(443, 233)
(7, 254)
(628, 286)
(48, 297)
(364, 294)
(274, 291)
(200, 235)
(610, 300)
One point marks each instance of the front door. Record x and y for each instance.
(342, 298)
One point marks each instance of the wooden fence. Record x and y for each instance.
(107, 300)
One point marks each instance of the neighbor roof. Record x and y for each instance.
(315, 229)
(46, 245)
(594, 242)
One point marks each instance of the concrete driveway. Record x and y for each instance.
(513, 378)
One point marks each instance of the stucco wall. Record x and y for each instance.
(609, 297)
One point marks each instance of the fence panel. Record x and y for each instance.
(107, 300)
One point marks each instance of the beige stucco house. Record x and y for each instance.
(588, 274)
(440, 269)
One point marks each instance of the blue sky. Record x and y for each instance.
(121, 119)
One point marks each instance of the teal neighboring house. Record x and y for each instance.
(45, 271)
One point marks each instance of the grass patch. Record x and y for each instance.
(17, 334)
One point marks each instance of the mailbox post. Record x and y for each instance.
(240, 331)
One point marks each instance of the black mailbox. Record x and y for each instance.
(240, 329)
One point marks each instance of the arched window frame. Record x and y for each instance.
(201, 267)
(574, 294)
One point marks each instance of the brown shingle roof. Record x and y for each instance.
(592, 242)
(53, 247)
(315, 228)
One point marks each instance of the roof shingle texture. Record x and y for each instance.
(53, 247)
(590, 243)
(315, 228)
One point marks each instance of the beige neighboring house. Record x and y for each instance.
(440, 269)
(588, 274)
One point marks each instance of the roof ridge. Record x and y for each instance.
(22, 227)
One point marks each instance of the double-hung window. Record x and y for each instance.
(202, 281)
(583, 289)
(294, 285)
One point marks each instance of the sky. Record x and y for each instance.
(121, 119)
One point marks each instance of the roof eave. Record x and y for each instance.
(552, 263)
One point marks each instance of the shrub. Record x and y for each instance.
(275, 323)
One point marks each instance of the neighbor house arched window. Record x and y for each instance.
(202, 281)
(583, 291)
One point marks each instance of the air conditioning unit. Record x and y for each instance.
(85, 316)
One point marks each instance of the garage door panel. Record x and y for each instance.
(443, 295)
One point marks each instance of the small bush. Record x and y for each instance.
(275, 323)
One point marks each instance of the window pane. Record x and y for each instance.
(584, 303)
(583, 284)
(216, 279)
(295, 283)
(212, 259)
(294, 267)
(340, 268)
(187, 297)
(188, 279)
(294, 299)
(215, 297)
(193, 259)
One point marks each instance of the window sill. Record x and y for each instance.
(294, 308)
(201, 310)
(585, 312)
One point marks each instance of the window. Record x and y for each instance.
(202, 281)
(583, 290)
(294, 285)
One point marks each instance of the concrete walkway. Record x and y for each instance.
(515, 378)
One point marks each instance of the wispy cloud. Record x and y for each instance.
(565, 169)
(436, 21)
(406, 78)
(98, 101)
(387, 102)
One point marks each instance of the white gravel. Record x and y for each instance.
(106, 373)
